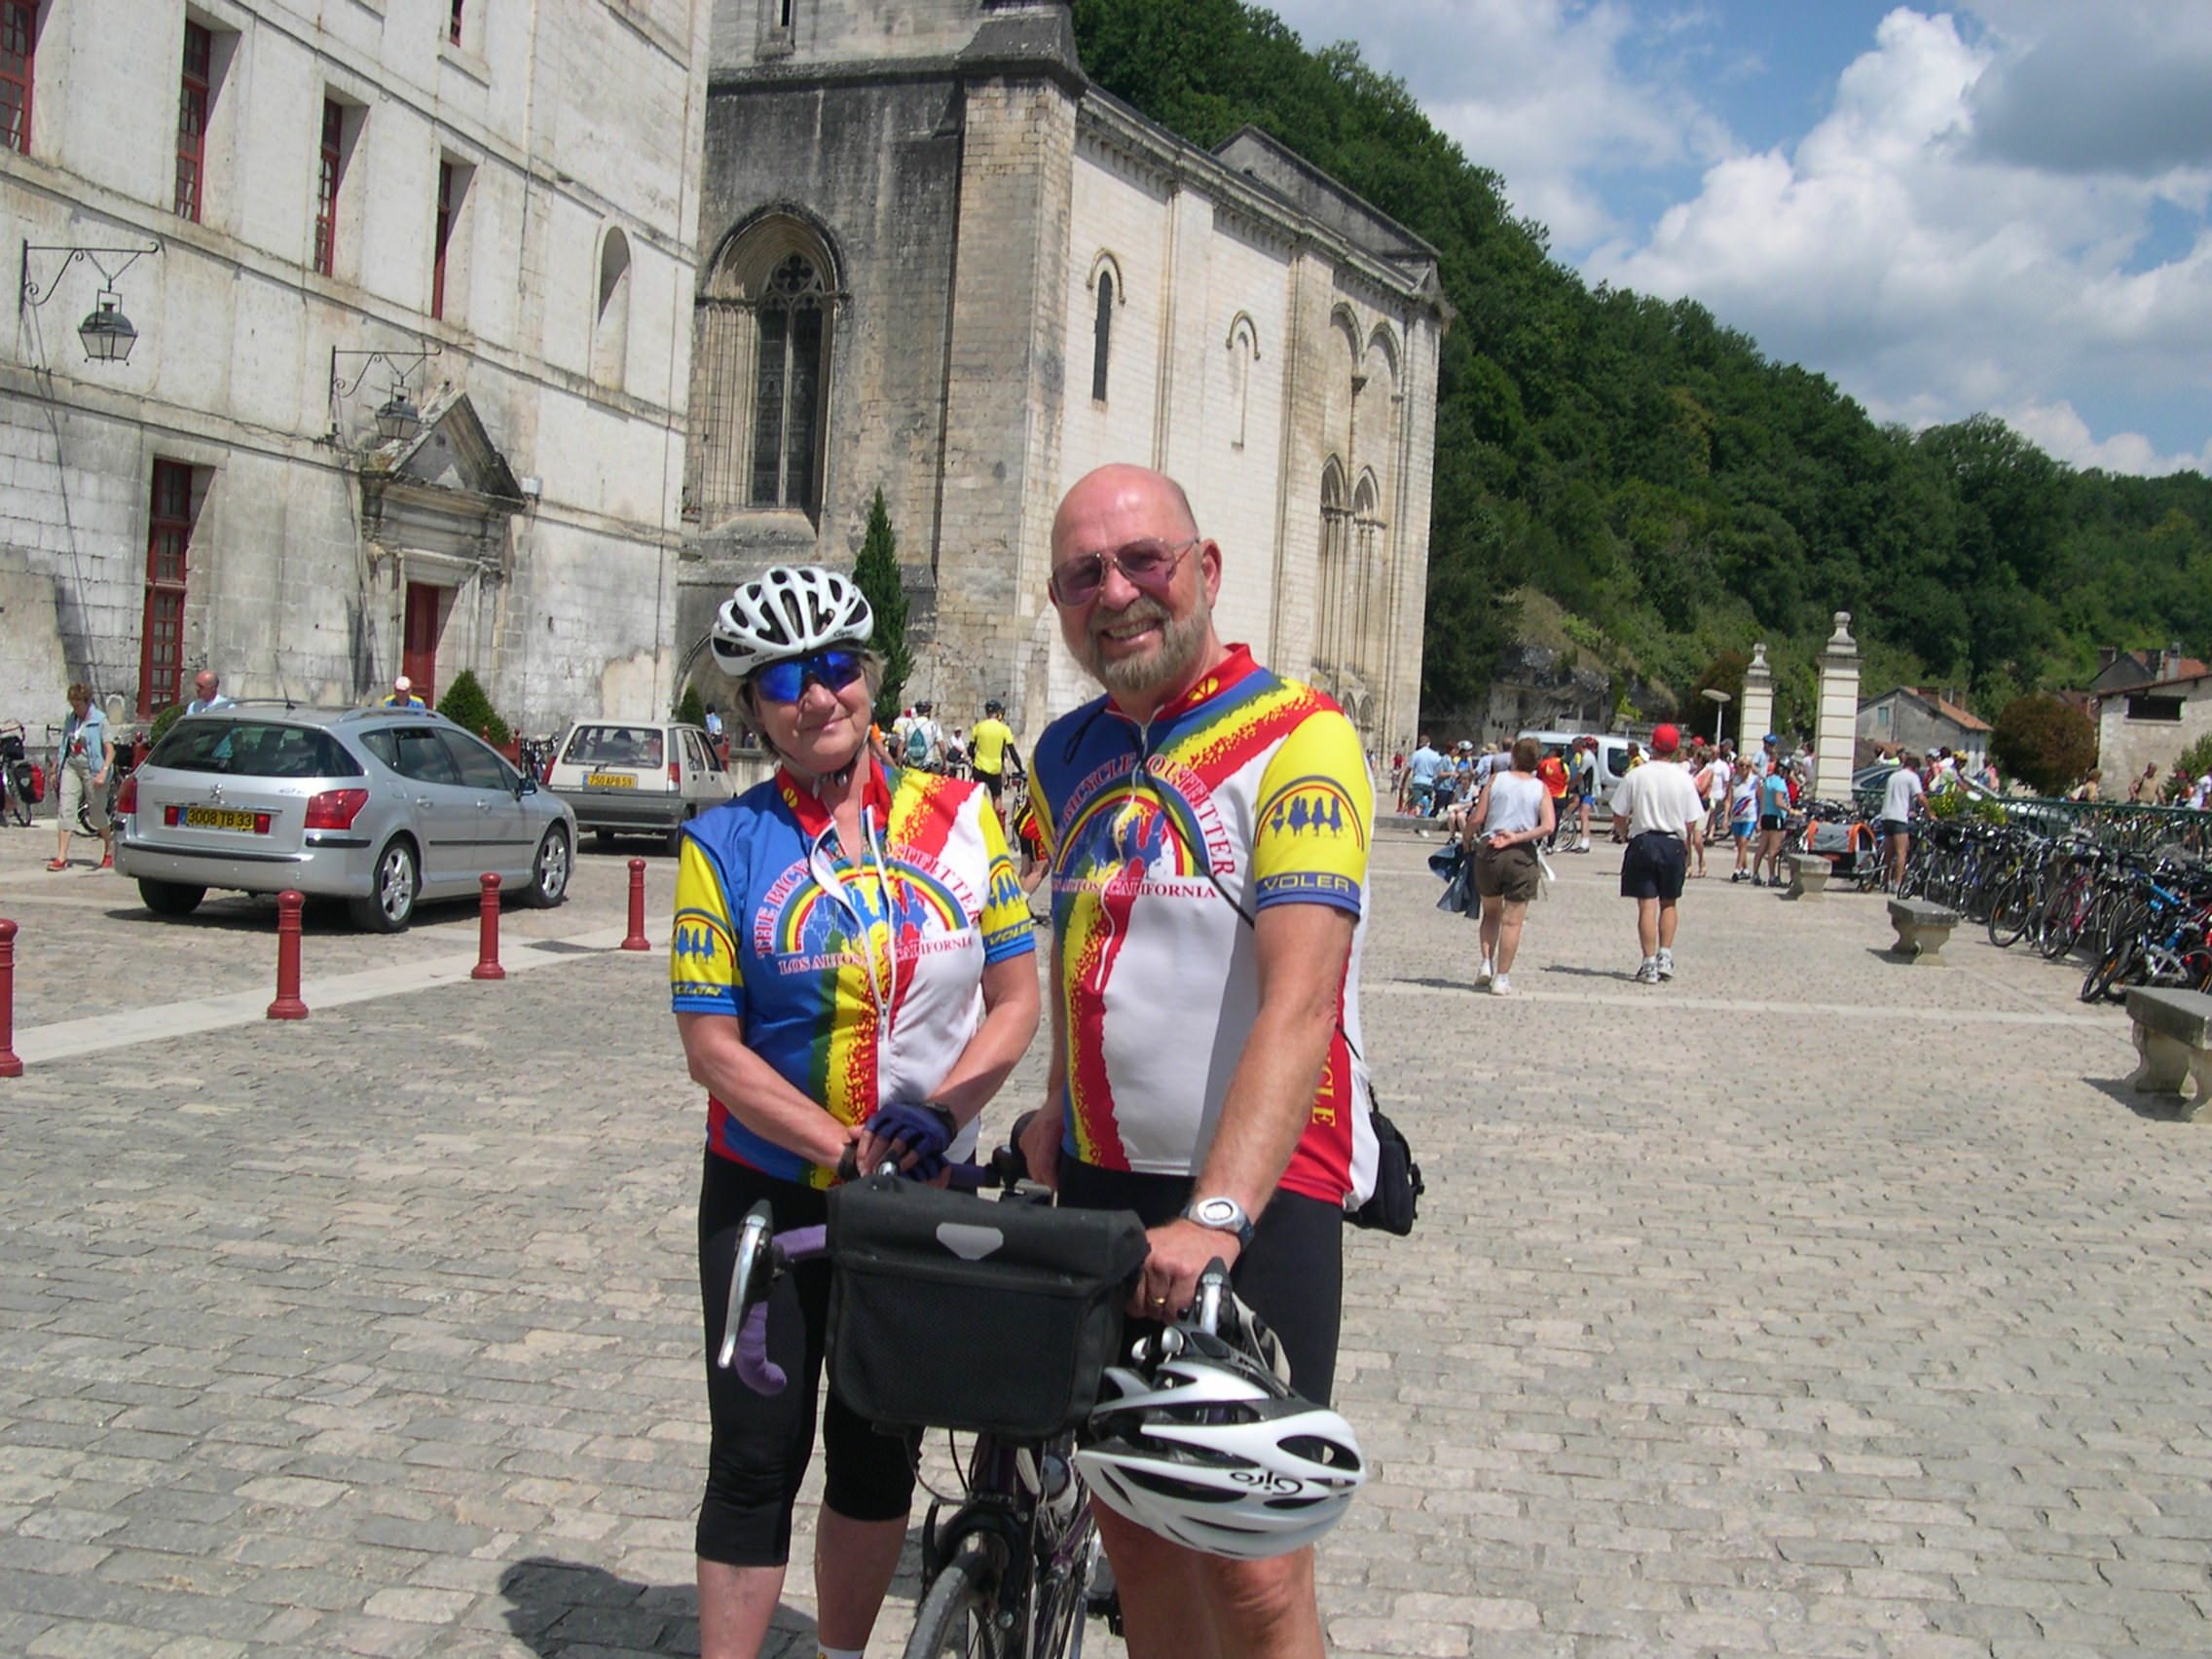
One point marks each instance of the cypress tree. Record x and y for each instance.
(876, 572)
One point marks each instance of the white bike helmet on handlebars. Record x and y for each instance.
(1207, 1449)
(788, 612)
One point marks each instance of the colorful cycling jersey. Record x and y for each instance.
(776, 929)
(1249, 790)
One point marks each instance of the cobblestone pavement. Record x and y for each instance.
(1809, 1304)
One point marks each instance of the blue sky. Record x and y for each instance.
(2000, 205)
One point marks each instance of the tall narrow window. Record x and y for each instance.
(18, 45)
(1101, 337)
(161, 639)
(192, 120)
(453, 23)
(442, 237)
(326, 186)
(1243, 352)
(610, 323)
(787, 392)
(1329, 578)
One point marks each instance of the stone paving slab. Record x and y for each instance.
(1807, 1305)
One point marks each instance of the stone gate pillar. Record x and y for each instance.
(1837, 738)
(1757, 706)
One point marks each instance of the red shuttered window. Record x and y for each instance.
(161, 648)
(18, 45)
(192, 120)
(442, 237)
(326, 188)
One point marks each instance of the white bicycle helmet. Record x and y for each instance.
(787, 613)
(1205, 1448)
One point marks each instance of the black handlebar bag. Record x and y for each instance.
(948, 1311)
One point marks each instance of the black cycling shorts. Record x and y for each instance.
(995, 782)
(762, 1442)
(1293, 1275)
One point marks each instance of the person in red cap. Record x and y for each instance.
(1658, 803)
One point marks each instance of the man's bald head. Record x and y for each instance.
(1121, 488)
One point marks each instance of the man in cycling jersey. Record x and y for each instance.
(1208, 826)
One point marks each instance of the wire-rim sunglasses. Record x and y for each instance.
(1148, 565)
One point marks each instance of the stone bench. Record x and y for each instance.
(1808, 875)
(2173, 1033)
(1922, 928)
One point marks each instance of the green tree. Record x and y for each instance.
(876, 572)
(2049, 744)
(692, 708)
(466, 705)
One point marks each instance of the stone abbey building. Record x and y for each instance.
(507, 337)
(934, 260)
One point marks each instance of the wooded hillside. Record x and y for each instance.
(1641, 463)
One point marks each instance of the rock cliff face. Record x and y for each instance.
(1537, 687)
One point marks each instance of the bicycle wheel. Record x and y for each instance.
(2115, 970)
(959, 1614)
(2009, 910)
(2062, 921)
(19, 795)
(1060, 1600)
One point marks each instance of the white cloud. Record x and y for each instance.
(1533, 90)
(1931, 271)
(2003, 206)
(2057, 431)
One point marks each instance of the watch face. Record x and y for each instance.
(1218, 1212)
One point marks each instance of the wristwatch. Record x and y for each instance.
(1221, 1215)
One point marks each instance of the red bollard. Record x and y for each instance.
(10, 1065)
(287, 1005)
(488, 930)
(637, 938)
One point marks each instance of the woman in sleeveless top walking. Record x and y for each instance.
(1514, 813)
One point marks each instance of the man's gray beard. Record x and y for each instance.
(1182, 641)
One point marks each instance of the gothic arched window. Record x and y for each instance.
(762, 350)
(787, 386)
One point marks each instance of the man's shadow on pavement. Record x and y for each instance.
(563, 1608)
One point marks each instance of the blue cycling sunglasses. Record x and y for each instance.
(787, 681)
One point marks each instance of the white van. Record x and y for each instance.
(1612, 760)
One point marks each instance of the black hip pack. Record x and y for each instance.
(953, 1311)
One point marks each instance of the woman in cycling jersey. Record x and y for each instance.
(852, 978)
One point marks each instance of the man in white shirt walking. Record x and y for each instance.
(1659, 805)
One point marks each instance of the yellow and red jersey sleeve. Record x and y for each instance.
(1316, 812)
(703, 975)
(1006, 921)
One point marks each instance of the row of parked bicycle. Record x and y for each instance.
(2136, 914)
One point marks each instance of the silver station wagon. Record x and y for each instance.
(382, 807)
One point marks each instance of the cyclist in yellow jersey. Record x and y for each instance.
(988, 741)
